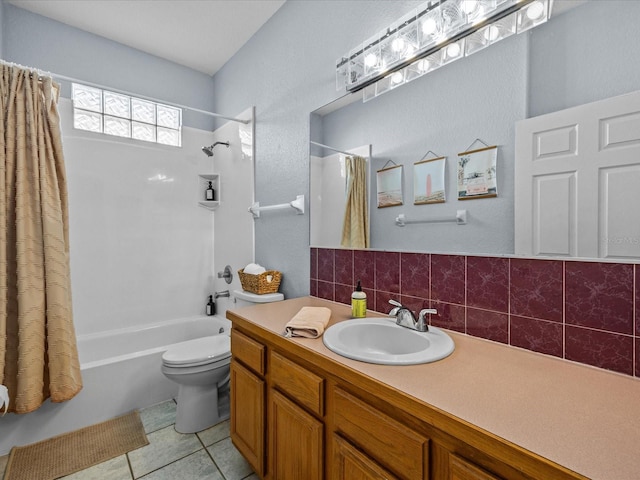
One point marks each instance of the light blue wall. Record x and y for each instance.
(39, 42)
(589, 54)
(1, 28)
(287, 71)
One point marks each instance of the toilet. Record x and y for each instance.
(201, 369)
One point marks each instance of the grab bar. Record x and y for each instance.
(297, 204)
(461, 219)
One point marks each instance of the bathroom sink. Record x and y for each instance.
(379, 340)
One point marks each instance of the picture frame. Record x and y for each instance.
(429, 181)
(477, 175)
(389, 186)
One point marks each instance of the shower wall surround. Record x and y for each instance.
(584, 311)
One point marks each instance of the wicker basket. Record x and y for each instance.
(259, 283)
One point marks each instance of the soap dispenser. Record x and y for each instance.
(209, 193)
(211, 306)
(358, 303)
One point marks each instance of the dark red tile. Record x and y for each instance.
(600, 349)
(637, 357)
(382, 301)
(536, 288)
(326, 264)
(313, 288)
(414, 274)
(344, 267)
(343, 293)
(448, 278)
(449, 316)
(537, 335)
(488, 283)
(313, 270)
(326, 290)
(387, 270)
(599, 295)
(490, 325)
(637, 270)
(364, 268)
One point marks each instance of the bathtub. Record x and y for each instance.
(120, 372)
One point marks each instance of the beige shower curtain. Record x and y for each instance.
(355, 229)
(38, 354)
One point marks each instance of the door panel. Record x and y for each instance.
(576, 178)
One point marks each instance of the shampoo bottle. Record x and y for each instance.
(211, 306)
(358, 303)
(209, 193)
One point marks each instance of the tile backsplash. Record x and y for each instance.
(583, 311)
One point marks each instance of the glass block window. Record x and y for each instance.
(111, 113)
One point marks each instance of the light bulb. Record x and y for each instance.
(371, 60)
(491, 33)
(397, 78)
(429, 26)
(469, 6)
(453, 50)
(398, 44)
(535, 10)
(423, 65)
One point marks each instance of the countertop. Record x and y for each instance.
(583, 418)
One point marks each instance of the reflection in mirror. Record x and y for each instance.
(329, 190)
(482, 96)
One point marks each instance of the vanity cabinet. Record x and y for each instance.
(248, 399)
(297, 414)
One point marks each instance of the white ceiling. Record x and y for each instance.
(200, 34)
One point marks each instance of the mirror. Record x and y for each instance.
(481, 98)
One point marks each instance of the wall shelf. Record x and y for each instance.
(203, 183)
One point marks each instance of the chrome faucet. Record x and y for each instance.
(406, 318)
(224, 293)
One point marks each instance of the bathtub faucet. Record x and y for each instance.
(224, 293)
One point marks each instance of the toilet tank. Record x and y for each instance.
(243, 298)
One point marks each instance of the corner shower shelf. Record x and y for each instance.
(203, 182)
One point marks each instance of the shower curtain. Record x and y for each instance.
(355, 229)
(38, 353)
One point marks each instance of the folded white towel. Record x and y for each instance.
(4, 398)
(309, 322)
(254, 269)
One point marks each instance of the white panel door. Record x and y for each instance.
(577, 181)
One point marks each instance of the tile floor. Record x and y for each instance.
(170, 455)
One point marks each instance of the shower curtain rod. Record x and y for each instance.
(124, 92)
(331, 148)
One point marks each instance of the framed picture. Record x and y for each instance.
(389, 181)
(428, 181)
(477, 173)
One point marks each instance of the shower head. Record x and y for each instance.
(209, 150)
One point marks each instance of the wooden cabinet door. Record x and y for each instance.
(295, 441)
(247, 415)
(461, 469)
(349, 463)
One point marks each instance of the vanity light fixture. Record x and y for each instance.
(436, 33)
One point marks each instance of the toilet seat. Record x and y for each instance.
(200, 351)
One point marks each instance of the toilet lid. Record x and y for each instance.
(198, 351)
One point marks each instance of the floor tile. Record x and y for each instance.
(194, 467)
(253, 476)
(232, 465)
(165, 446)
(114, 469)
(158, 416)
(214, 434)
